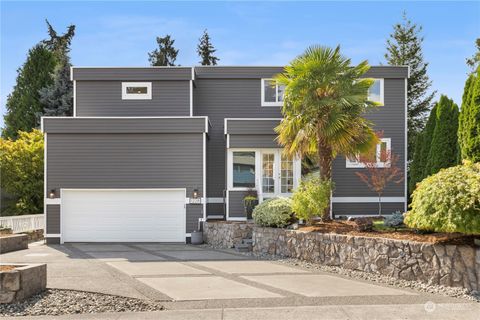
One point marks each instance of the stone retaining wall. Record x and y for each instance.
(22, 282)
(226, 234)
(448, 265)
(13, 242)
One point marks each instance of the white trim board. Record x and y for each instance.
(49, 201)
(367, 199)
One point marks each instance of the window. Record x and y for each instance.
(136, 90)
(375, 93)
(379, 155)
(272, 93)
(243, 169)
(286, 174)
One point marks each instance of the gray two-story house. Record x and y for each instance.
(151, 152)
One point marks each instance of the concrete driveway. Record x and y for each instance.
(190, 277)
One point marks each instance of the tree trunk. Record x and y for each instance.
(325, 159)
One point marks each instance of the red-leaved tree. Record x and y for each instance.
(380, 169)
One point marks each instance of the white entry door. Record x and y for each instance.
(279, 174)
(121, 215)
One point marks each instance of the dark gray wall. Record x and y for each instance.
(253, 141)
(224, 72)
(138, 125)
(104, 98)
(133, 74)
(252, 126)
(235, 204)
(391, 120)
(220, 99)
(348, 209)
(53, 218)
(127, 161)
(392, 72)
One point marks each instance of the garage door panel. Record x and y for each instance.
(123, 215)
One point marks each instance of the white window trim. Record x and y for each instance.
(142, 96)
(357, 164)
(382, 91)
(270, 104)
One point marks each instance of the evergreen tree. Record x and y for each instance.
(405, 48)
(58, 98)
(469, 124)
(23, 104)
(59, 45)
(418, 170)
(444, 146)
(475, 59)
(165, 55)
(206, 50)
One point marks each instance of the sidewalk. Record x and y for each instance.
(464, 311)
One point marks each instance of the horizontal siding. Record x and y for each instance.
(348, 209)
(125, 161)
(236, 72)
(139, 125)
(104, 98)
(391, 72)
(53, 218)
(194, 212)
(391, 120)
(220, 99)
(53, 240)
(235, 204)
(253, 141)
(251, 126)
(134, 74)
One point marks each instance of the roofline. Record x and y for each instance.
(187, 67)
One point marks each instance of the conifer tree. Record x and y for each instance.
(23, 104)
(469, 119)
(444, 147)
(206, 50)
(166, 54)
(58, 97)
(404, 48)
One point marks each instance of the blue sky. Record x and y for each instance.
(244, 33)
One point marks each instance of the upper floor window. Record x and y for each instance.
(375, 93)
(379, 156)
(243, 171)
(136, 90)
(272, 93)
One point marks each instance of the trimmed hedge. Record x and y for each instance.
(276, 212)
(448, 201)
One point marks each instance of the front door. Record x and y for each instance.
(277, 174)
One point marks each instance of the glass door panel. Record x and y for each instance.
(286, 174)
(268, 174)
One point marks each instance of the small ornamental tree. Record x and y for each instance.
(22, 171)
(379, 175)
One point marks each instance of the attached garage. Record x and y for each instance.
(123, 215)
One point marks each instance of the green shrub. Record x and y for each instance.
(276, 212)
(394, 220)
(448, 201)
(311, 198)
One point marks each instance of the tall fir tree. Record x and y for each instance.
(473, 62)
(405, 48)
(166, 54)
(444, 147)
(59, 45)
(464, 116)
(206, 50)
(23, 104)
(58, 97)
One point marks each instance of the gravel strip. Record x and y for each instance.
(58, 302)
(454, 292)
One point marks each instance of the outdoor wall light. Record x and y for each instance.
(195, 194)
(51, 195)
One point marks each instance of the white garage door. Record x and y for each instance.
(122, 215)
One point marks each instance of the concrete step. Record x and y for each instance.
(241, 247)
(247, 241)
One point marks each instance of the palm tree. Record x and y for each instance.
(324, 102)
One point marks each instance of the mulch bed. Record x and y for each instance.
(7, 268)
(349, 228)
